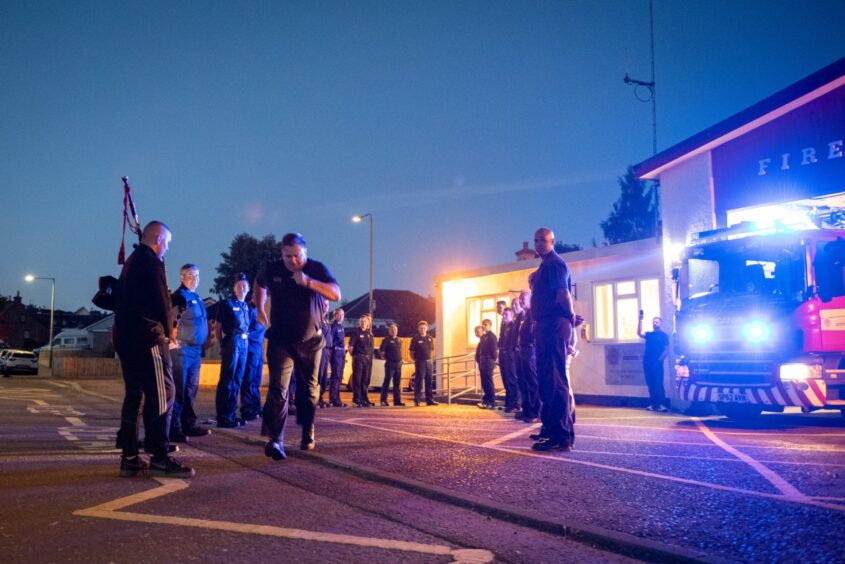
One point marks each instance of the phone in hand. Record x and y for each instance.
(642, 314)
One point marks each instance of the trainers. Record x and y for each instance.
(197, 432)
(170, 448)
(338, 404)
(275, 450)
(552, 444)
(169, 467)
(432, 402)
(400, 404)
(650, 408)
(227, 424)
(538, 436)
(384, 403)
(131, 467)
(662, 409)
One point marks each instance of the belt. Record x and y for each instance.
(339, 348)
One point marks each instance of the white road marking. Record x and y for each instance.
(505, 438)
(110, 510)
(569, 459)
(787, 489)
(39, 402)
(75, 421)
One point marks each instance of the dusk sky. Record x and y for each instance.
(462, 126)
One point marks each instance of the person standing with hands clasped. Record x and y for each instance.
(233, 335)
(361, 347)
(390, 351)
(297, 287)
(656, 351)
(421, 348)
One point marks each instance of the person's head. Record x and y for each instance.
(156, 235)
(478, 330)
(339, 314)
(656, 323)
(544, 241)
(240, 286)
(294, 251)
(500, 306)
(422, 327)
(507, 315)
(189, 276)
(325, 307)
(486, 325)
(516, 306)
(392, 329)
(525, 299)
(364, 322)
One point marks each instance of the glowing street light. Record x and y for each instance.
(32, 278)
(358, 219)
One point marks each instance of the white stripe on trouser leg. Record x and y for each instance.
(159, 372)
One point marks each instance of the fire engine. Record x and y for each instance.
(760, 317)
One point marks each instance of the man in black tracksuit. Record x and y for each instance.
(142, 327)
(391, 351)
(361, 346)
(421, 348)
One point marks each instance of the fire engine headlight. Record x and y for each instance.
(701, 333)
(757, 332)
(797, 371)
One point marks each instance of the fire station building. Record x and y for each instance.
(784, 153)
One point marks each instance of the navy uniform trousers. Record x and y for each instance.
(282, 358)
(250, 392)
(338, 361)
(232, 366)
(558, 412)
(186, 377)
(528, 382)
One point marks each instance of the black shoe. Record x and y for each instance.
(416, 404)
(356, 404)
(197, 432)
(400, 404)
(384, 403)
(251, 417)
(275, 450)
(552, 444)
(510, 410)
(519, 414)
(169, 467)
(131, 467)
(483, 405)
(307, 444)
(432, 402)
(240, 421)
(338, 404)
(170, 448)
(227, 424)
(178, 437)
(538, 436)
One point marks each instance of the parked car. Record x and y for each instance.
(18, 362)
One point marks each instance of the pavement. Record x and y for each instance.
(441, 484)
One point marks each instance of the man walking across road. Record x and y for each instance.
(191, 333)
(142, 328)
(656, 351)
(486, 357)
(554, 318)
(297, 287)
(421, 349)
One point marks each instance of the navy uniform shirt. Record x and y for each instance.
(336, 336)
(142, 313)
(233, 317)
(421, 347)
(192, 328)
(506, 336)
(391, 349)
(525, 331)
(549, 278)
(656, 343)
(326, 330)
(296, 313)
(487, 346)
(361, 343)
(256, 328)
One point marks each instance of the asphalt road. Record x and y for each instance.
(439, 484)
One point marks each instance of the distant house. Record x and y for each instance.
(20, 325)
(403, 307)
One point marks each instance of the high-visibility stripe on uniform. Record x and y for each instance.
(159, 373)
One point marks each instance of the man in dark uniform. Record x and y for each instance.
(486, 358)
(421, 349)
(325, 357)
(527, 363)
(554, 318)
(338, 358)
(361, 347)
(507, 361)
(390, 350)
(656, 351)
(297, 286)
(251, 386)
(233, 334)
(190, 334)
(142, 326)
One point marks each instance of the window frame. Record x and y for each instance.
(471, 341)
(616, 298)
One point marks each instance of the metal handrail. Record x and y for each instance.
(445, 371)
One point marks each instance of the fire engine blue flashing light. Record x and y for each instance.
(757, 332)
(701, 334)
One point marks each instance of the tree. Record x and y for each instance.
(561, 247)
(635, 214)
(246, 254)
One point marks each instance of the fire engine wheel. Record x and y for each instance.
(739, 411)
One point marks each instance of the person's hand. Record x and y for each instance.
(579, 319)
(572, 351)
(642, 315)
(301, 278)
(172, 344)
(262, 317)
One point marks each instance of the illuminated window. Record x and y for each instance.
(480, 308)
(618, 304)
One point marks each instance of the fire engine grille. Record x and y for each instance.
(727, 369)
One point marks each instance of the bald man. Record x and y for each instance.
(142, 328)
(554, 319)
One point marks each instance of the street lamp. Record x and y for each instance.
(358, 219)
(31, 278)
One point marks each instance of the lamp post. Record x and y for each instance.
(358, 219)
(31, 278)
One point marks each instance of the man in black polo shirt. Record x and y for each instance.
(390, 351)
(486, 357)
(421, 348)
(361, 347)
(554, 318)
(297, 286)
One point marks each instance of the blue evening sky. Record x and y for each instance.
(461, 125)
